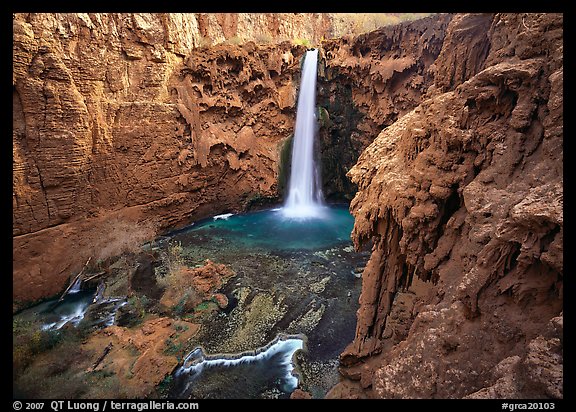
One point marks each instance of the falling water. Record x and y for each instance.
(272, 363)
(76, 286)
(304, 190)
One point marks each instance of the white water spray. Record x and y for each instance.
(305, 198)
(196, 361)
(76, 286)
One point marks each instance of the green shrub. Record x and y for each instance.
(302, 42)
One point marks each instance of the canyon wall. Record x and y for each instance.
(461, 200)
(122, 128)
(126, 125)
(365, 83)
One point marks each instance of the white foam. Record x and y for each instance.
(224, 216)
(79, 313)
(301, 212)
(195, 362)
(74, 318)
(75, 287)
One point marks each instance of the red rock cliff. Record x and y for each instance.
(122, 127)
(124, 124)
(366, 83)
(462, 201)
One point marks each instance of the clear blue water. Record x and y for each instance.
(271, 229)
(308, 264)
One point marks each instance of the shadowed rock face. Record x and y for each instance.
(365, 84)
(464, 194)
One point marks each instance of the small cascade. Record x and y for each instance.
(276, 356)
(76, 286)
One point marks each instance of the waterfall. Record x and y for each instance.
(305, 191)
(76, 286)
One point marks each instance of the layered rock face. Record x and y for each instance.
(117, 117)
(462, 201)
(125, 124)
(365, 84)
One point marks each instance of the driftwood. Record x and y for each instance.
(75, 279)
(107, 350)
(95, 275)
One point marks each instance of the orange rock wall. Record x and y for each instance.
(119, 116)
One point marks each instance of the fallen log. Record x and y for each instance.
(95, 275)
(107, 350)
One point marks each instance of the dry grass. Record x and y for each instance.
(186, 288)
(118, 236)
(180, 294)
(173, 262)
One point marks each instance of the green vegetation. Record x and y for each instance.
(38, 367)
(172, 349)
(29, 341)
(164, 386)
(302, 42)
(140, 303)
(202, 306)
(284, 164)
(323, 117)
(179, 309)
(258, 199)
(181, 328)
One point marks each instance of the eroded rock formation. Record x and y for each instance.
(119, 116)
(122, 126)
(462, 199)
(365, 84)
(129, 118)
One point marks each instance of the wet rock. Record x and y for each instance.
(128, 316)
(307, 322)
(300, 394)
(221, 300)
(318, 287)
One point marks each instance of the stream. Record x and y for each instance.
(291, 304)
(293, 276)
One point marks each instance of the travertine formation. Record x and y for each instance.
(365, 84)
(119, 116)
(465, 193)
(129, 118)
